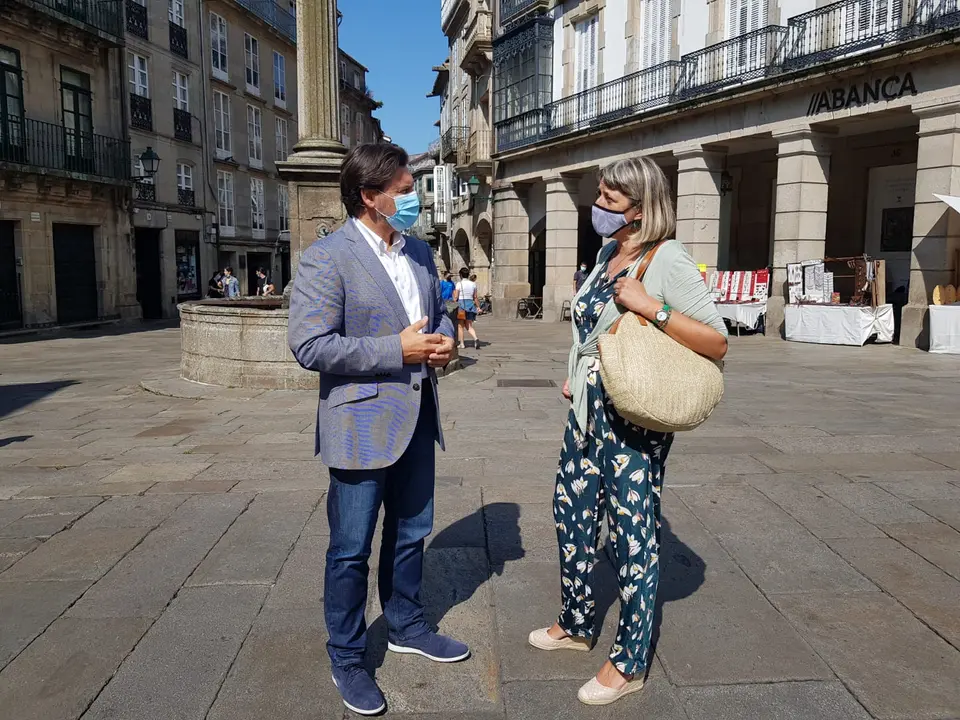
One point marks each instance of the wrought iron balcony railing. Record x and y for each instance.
(178, 40)
(513, 10)
(835, 31)
(274, 16)
(619, 98)
(186, 197)
(137, 22)
(182, 125)
(454, 141)
(53, 147)
(844, 28)
(105, 16)
(748, 57)
(144, 191)
(141, 112)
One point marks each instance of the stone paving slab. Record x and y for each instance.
(823, 469)
(177, 669)
(895, 666)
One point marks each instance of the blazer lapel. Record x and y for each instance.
(424, 284)
(369, 261)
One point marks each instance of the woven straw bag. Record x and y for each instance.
(654, 381)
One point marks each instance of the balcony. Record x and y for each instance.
(45, 146)
(935, 15)
(182, 125)
(513, 11)
(137, 22)
(745, 58)
(478, 47)
(141, 112)
(178, 40)
(453, 144)
(448, 10)
(274, 16)
(626, 96)
(103, 18)
(186, 197)
(478, 151)
(144, 191)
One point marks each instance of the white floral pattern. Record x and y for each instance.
(616, 470)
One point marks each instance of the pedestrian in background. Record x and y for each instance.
(215, 285)
(466, 296)
(231, 286)
(579, 276)
(609, 466)
(264, 283)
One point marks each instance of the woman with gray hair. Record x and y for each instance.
(607, 464)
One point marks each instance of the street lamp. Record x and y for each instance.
(474, 186)
(150, 161)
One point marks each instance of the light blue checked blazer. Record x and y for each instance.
(345, 323)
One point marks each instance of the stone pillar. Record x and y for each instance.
(936, 227)
(313, 170)
(511, 248)
(800, 223)
(562, 221)
(698, 204)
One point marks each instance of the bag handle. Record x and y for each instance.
(639, 275)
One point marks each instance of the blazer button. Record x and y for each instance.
(416, 387)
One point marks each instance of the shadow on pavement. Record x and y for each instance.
(16, 397)
(16, 439)
(682, 572)
(106, 329)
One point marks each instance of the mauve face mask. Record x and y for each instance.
(607, 222)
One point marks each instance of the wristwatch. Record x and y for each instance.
(662, 317)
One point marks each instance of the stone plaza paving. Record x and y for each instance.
(162, 557)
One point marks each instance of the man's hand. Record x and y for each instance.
(441, 355)
(418, 347)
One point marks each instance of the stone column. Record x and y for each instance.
(800, 223)
(562, 237)
(313, 170)
(511, 248)
(936, 227)
(698, 204)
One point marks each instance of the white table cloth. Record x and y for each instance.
(838, 324)
(743, 314)
(945, 329)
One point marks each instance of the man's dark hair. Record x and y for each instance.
(464, 273)
(369, 166)
(261, 271)
(228, 269)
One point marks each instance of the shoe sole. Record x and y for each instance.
(620, 696)
(414, 651)
(578, 647)
(358, 711)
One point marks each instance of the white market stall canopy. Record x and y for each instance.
(951, 200)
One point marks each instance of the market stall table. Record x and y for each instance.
(838, 324)
(746, 314)
(945, 329)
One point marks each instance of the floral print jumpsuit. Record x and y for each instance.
(617, 469)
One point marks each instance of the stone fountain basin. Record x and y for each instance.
(240, 343)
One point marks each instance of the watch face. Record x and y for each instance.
(661, 316)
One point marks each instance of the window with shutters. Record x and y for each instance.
(257, 223)
(175, 12)
(181, 91)
(251, 58)
(655, 24)
(184, 176)
(279, 79)
(218, 46)
(255, 136)
(221, 124)
(744, 17)
(585, 65)
(225, 204)
(280, 136)
(137, 75)
(283, 207)
(345, 125)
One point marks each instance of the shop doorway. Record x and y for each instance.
(256, 260)
(189, 279)
(537, 265)
(588, 242)
(75, 273)
(149, 279)
(11, 315)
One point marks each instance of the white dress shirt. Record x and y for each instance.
(398, 268)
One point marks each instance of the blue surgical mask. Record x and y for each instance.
(407, 212)
(606, 222)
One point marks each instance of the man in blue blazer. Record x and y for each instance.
(366, 313)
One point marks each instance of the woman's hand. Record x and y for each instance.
(566, 389)
(631, 294)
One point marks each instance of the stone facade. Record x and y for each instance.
(66, 254)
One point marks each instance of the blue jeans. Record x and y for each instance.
(405, 489)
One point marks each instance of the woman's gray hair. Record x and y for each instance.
(642, 180)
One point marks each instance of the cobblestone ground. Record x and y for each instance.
(162, 557)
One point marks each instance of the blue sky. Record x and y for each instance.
(399, 42)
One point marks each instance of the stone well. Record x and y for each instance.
(240, 343)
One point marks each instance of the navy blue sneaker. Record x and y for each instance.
(438, 648)
(358, 690)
